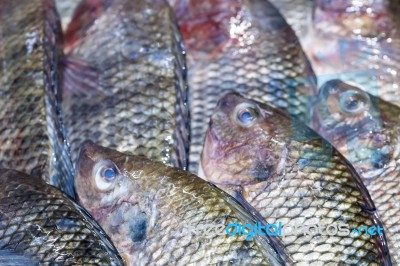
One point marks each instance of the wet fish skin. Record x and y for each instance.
(241, 45)
(146, 205)
(366, 131)
(297, 14)
(41, 226)
(125, 80)
(357, 42)
(31, 132)
(287, 173)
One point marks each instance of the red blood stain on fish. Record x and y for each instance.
(84, 16)
(206, 25)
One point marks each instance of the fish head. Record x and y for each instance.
(244, 142)
(351, 119)
(98, 174)
(113, 188)
(106, 177)
(340, 106)
(343, 108)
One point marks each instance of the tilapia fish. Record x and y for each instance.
(366, 131)
(285, 172)
(358, 41)
(145, 207)
(31, 133)
(241, 45)
(66, 8)
(39, 225)
(124, 80)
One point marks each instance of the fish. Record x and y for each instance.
(66, 8)
(125, 80)
(32, 137)
(145, 206)
(366, 130)
(358, 42)
(281, 169)
(40, 225)
(245, 46)
(297, 13)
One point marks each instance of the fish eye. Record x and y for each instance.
(353, 101)
(105, 173)
(246, 114)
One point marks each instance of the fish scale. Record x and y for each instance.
(297, 13)
(358, 43)
(136, 101)
(148, 226)
(376, 128)
(285, 172)
(40, 225)
(31, 132)
(296, 198)
(245, 46)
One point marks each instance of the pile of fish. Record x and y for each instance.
(154, 132)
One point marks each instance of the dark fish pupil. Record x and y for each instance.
(109, 173)
(353, 103)
(246, 116)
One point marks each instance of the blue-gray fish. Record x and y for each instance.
(124, 80)
(31, 132)
(366, 131)
(39, 225)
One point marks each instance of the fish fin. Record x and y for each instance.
(80, 78)
(13, 258)
(60, 169)
(182, 132)
(272, 248)
(84, 15)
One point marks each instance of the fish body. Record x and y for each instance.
(31, 132)
(41, 226)
(146, 206)
(297, 14)
(124, 80)
(286, 172)
(245, 46)
(359, 42)
(366, 131)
